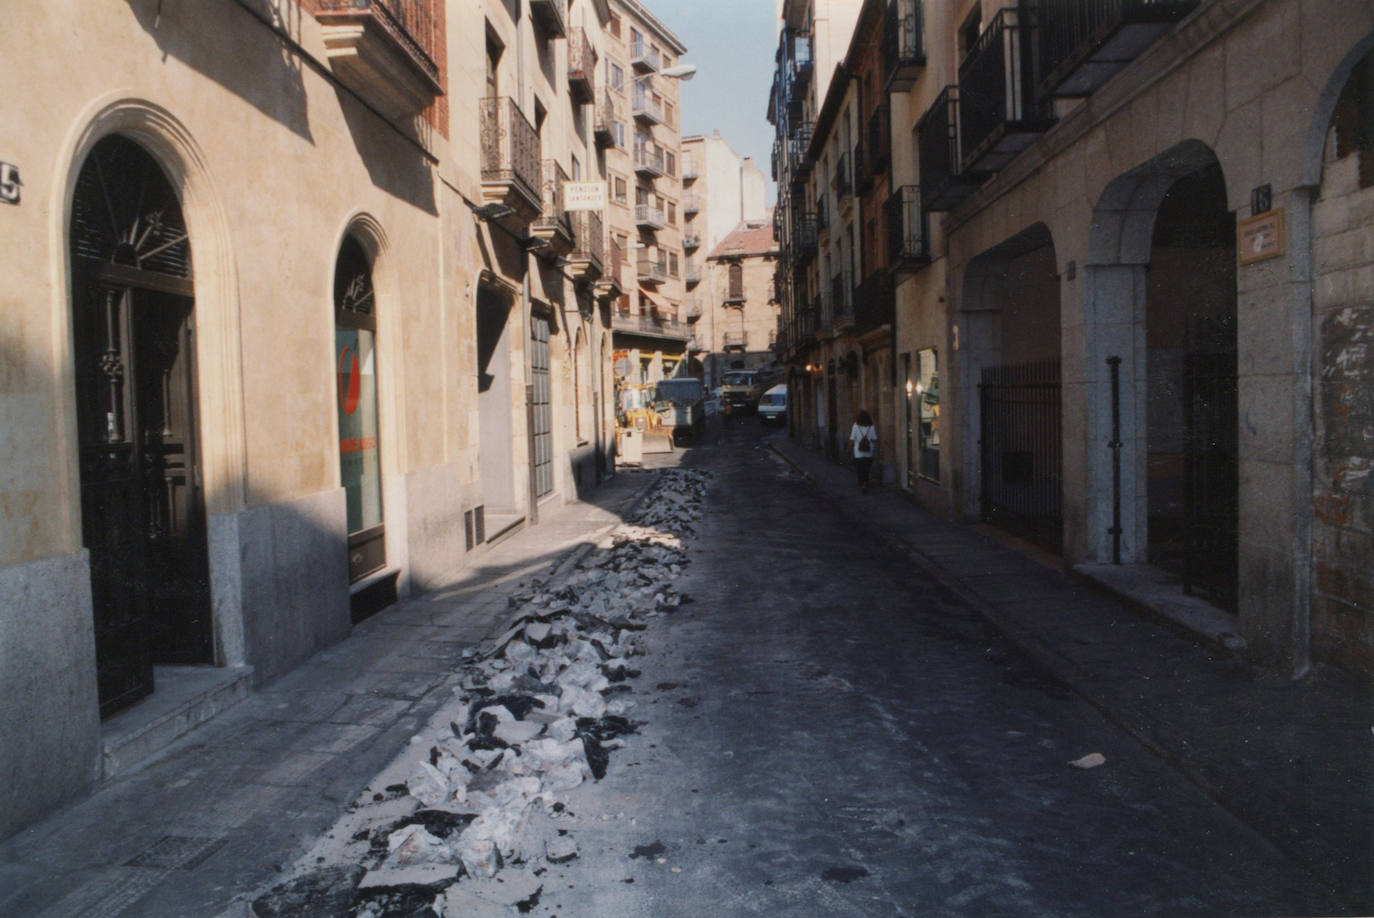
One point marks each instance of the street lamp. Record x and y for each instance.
(682, 72)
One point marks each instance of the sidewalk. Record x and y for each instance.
(227, 806)
(1295, 760)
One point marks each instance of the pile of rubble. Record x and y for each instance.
(466, 820)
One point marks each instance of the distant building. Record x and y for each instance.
(738, 324)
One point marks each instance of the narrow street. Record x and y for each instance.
(826, 734)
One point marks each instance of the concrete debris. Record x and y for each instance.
(418, 875)
(1091, 760)
(534, 714)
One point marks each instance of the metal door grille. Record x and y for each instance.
(543, 411)
(1211, 506)
(1021, 449)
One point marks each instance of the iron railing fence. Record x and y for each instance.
(1022, 450)
(409, 22)
(510, 145)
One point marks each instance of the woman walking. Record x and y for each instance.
(864, 436)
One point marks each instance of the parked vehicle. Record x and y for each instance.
(681, 406)
(740, 391)
(773, 405)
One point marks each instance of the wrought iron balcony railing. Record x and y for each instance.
(903, 50)
(510, 150)
(649, 217)
(691, 204)
(553, 225)
(589, 244)
(690, 170)
(842, 299)
(648, 160)
(608, 127)
(691, 241)
(804, 237)
(908, 245)
(733, 340)
(652, 271)
(644, 57)
(999, 113)
(581, 68)
(944, 183)
(1084, 42)
(800, 62)
(646, 107)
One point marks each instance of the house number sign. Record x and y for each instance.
(9, 183)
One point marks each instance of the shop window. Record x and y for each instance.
(355, 354)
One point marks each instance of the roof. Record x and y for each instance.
(749, 237)
(653, 22)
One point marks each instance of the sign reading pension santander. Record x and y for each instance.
(584, 195)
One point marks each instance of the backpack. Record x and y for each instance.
(865, 445)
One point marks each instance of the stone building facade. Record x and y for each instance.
(289, 333)
(1131, 296)
(738, 325)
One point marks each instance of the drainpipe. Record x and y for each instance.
(1114, 444)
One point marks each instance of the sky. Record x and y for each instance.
(732, 43)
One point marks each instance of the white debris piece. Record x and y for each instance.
(514, 732)
(427, 784)
(417, 874)
(414, 845)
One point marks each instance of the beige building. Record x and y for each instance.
(639, 127)
(1129, 292)
(738, 324)
(288, 333)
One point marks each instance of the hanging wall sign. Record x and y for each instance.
(1260, 237)
(584, 195)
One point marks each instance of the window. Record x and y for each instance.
(618, 132)
(641, 195)
(618, 190)
(669, 163)
(576, 170)
(969, 32)
(617, 77)
(672, 214)
(736, 291)
(672, 264)
(669, 118)
(493, 59)
(623, 241)
(614, 26)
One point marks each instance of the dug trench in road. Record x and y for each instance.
(825, 733)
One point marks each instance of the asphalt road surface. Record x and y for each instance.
(825, 733)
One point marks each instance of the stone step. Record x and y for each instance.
(184, 697)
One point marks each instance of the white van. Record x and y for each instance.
(773, 405)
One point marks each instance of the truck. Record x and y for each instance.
(740, 391)
(681, 405)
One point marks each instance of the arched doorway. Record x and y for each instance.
(1192, 485)
(142, 503)
(1014, 432)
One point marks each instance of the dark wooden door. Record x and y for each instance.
(142, 510)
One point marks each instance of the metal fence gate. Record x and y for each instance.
(1021, 449)
(1211, 494)
(542, 411)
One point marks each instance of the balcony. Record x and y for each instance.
(691, 241)
(691, 204)
(651, 271)
(692, 310)
(734, 341)
(608, 127)
(384, 51)
(804, 238)
(944, 183)
(647, 216)
(612, 281)
(646, 108)
(802, 137)
(841, 181)
(999, 114)
(553, 228)
(644, 58)
(581, 68)
(691, 273)
(903, 52)
(1083, 43)
(822, 215)
(586, 261)
(879, 139)
(551, 16)
(648, 161)
(654, 324)
(690, 170)
(908, 245)
(875, 304)
(510, 160)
